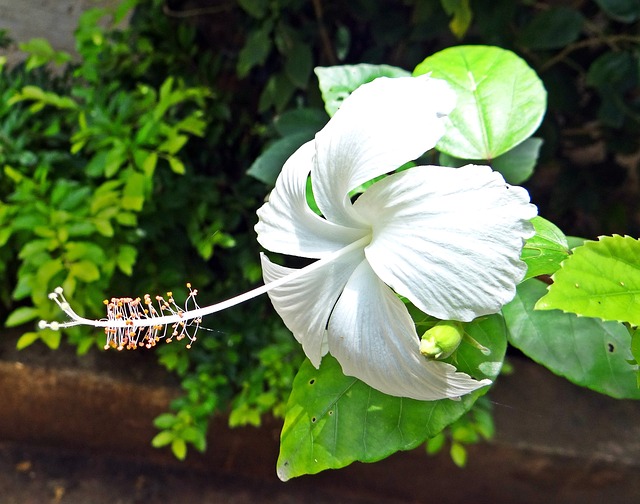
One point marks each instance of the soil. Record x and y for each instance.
(77, 430)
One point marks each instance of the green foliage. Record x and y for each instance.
(600, 279)
(545, 251)
(471, 428)
(134, 158)
(333, 420)
(586, 351)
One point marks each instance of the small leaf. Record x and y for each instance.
(462, 16)
(333, 419)
(164, 421)
(600, 279)
(21, 316)
(27, 339)
(127, 255)
(176, 165)
(586, 351)
(545, 251)
(458, 454)
(179, 448)
(338, 82)
(500, 100)
(162, 438)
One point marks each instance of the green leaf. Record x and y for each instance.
(176, 165)
(86, 271)
(255, 8)
(586, 351)
(545, 251)
(179, 448)
(333, 420)
(21, 316)
(462, 16)
(301, 120)
(436, 443)
(165, 421)
(133, 195)
(515, 165)
(552, 28)
(635, 345)
(626, 11)
(162, 438)
(298, 64)
(27, 339)
(338, 82)
(500, 100)
(255, 51)
(600, 279)
(458, 454)
(268, 165)
(127, 255)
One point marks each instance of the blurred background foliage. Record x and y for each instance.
(138, 164)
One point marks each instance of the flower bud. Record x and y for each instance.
(441, 340)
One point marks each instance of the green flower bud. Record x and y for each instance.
(441, 340)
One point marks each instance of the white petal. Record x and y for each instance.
(381, 126)
(448, 239)
(374, 339)
(305, 304)
(286, 223)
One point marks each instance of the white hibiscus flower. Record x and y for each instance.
(449, 240)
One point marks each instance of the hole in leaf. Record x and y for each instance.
(312, 381)
(313, 419)
(610, 347)
(330, 412)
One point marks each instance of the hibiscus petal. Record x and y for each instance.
(305, 304)
(448, 239)
(381, 126)
(374, 339)
(286, 223)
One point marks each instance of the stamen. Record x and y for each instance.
(132, 323)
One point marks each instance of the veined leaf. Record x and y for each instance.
(501, 100)
(586, 351)
(338, 82)
(600, 279)
(545, 251)
(333, 420)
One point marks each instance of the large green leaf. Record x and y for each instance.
(586, 351)
(338, 82)
(333, 420)
(600, 279)
(501, 100)
(545, 251)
